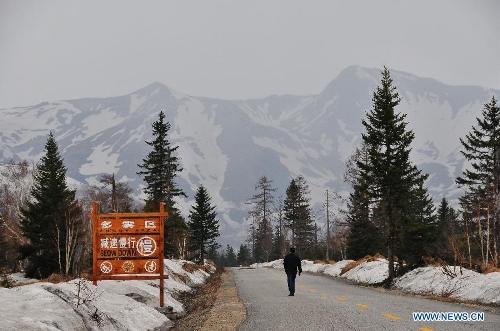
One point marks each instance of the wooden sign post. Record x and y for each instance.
(128, 246)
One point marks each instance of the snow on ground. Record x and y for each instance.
(131, 305)
(454, 282)
(111, 305)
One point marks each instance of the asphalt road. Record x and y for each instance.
(326, 303)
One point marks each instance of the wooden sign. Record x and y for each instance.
(124, 225)
(128, 246)
(130, 267)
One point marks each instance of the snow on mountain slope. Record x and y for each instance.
(228, 145)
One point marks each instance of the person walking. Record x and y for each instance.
(292, 265)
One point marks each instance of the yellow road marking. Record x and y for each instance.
(341, 299)
(392, 316)
(324, 294)
(302, 286)
(362, 305)
(313, 291)
(425, 329)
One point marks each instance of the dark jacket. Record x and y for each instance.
(292, 263)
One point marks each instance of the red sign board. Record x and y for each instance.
(124, 225)
(128, 246)
(129, 267)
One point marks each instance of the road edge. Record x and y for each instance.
(228, 311)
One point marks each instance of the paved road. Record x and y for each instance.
(326, 303)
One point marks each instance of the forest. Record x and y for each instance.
(46, 229)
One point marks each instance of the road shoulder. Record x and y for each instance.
(228, 311)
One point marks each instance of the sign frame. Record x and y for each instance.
(116, 235)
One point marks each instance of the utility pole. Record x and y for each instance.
(327, 228)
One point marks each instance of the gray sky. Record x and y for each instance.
(52, 50)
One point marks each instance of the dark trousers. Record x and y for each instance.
(291, 282)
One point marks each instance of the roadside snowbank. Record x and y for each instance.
(111, 305)
(454, 282)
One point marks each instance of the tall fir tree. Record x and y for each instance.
(203, 225)
(160, 168)
(298, 214)
(392, 178)
(51, 221)
(481, 147)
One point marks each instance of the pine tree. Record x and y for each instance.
(389, 173)
(365, 235)
(243, 257)
(261, 214)
(419, 230)
(481, 148)
(176, 235)
(230, 260)
(298, 214)
(160, 168)
(279, 240)
(448, 242)
(203, 224)
(52, 220)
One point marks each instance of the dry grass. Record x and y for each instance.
(489, 269)
(324, 262)
(354, 264)
(58, 278)
(182, 278)
(485, 269)
(198, 303)
(190, 267)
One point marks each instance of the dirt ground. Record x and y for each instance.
(214, 306)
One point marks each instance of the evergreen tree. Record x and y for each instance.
(243, 257)
(392, 179)
(291, 209)
(203, 224)
(261, 214)
(448, 243)
(419, 228)
(278, 243)
(481, 148)
(298, 214)
(230, 257)
(473, 217)
(214, 255)
(176, 235)
(52, 221)
(160, 168)
(365, 235)
(279, 240)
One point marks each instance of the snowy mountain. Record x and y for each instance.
(227, 145)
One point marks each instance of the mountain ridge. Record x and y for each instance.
(227, 145)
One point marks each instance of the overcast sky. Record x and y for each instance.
(52, 50)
